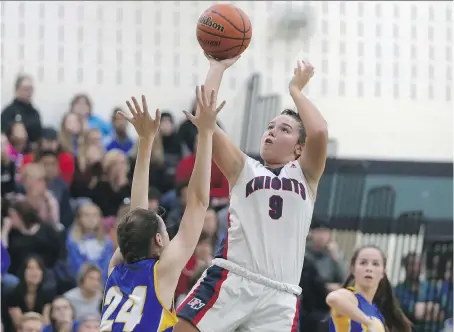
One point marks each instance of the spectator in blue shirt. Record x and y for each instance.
(87, 241)
(81, 104)
(119, 138)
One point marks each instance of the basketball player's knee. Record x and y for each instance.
(184, 326)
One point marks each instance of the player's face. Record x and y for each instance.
(280, 142)
(369, 268)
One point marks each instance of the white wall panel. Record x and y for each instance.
(384, 69)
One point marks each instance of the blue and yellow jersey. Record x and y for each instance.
(345, 324)
(131, 300)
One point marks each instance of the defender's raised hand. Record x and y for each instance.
(205, 117)
(301, 75)
(145, 126)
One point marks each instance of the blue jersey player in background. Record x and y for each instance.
(368, 305)
(145, 269)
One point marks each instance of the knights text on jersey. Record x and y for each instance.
(269, 218)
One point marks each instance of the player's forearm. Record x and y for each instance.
(140, 180)
(199, 184)
(314, 123)
(347, 308)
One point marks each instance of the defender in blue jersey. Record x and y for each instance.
(368, 305)
(145, 269)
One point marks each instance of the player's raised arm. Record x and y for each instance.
(226, 155)
(146, 129)
(313, 155)
(181, 248)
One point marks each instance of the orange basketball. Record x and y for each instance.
(224, 31)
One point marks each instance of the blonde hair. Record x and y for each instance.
(33, 170)
(31, 316)
(157, 151)
(77, 229)
(83, 147)
(64, 137)
(110, 159)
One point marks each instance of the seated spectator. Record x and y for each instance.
(71, 130)
(87, 296)
(172, 150)
(89, 323)
(8, 186)
(57, 186)
(31, 322)
(37, 194)
(81, 105)
(119, 139)
(93, 137)
(30, 295)
(18, 147)
(24, 234)
(61, 316)
(110, 193)
(173, 218)
(49, 142)
(88, 169)
(156, 173)
(219, 186)
(87, 242)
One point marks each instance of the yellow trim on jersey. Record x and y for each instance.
(169, 317)
(342, 323)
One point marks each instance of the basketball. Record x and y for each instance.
(224, 31)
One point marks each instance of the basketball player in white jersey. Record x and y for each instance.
(252, 284)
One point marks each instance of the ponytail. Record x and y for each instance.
(387, 303)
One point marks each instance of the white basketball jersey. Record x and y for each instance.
(269, 219)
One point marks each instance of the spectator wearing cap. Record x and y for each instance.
(119, 139)
(49, 142)
(87, 296)
(22, 110)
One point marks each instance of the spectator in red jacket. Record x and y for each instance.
(49, 142)
(219, 187)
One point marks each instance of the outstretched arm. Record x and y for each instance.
(344, 303)
(226, 155)
(146, 129)
(313, 157)
(181, 248)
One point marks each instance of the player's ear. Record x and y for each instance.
(158, 240)
(298, 149)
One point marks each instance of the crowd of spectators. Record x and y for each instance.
(63, 189)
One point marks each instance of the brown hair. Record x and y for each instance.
(77, 230)
(64, 138)
(294, 115)
(78, 97)
(386, 301)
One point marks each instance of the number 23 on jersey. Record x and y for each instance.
(131, 309)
